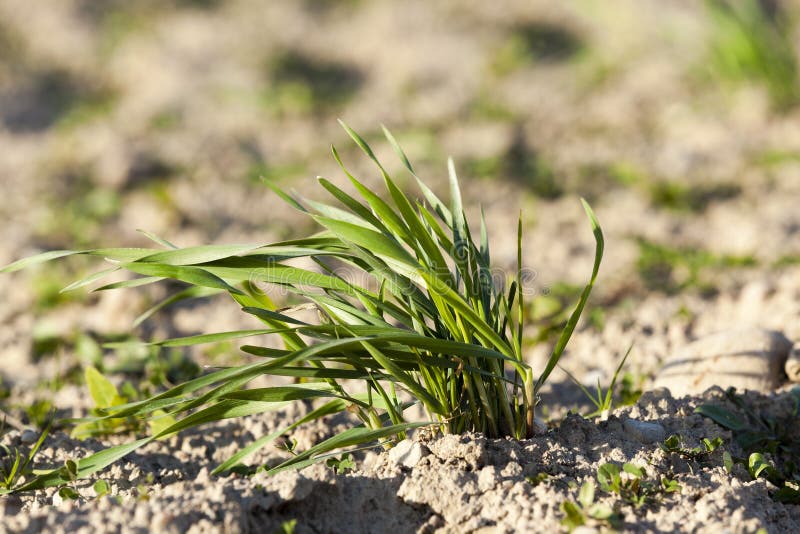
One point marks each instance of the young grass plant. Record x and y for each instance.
(429, 326)
(603, 401)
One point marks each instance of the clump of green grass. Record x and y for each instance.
(429, 325)
(752, 42)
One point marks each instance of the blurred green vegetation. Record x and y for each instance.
(48, 97)
(695, 198)
(78, 211)
(298, 83)
(673, 269)
(521, 163)
(752, 42)
(535, 42)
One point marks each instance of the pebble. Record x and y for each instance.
(29, 436)
(407, 453)
(645, 431)
(744, 358)
(792, 366)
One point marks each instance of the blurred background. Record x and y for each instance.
(679, 120)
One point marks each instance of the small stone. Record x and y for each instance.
(407, 453)
(792, 366)
(29, 436)
(487, 478)
(539, 427)
(645, 431)
(511, 470)
(744, 358)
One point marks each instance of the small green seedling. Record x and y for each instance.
(538, 478)
(758, 465)
(68, 493)
(585, 511)
(602, 400)
(106, 396)
(758, 435)
(342, 464)
(674, 444)
(287, 527)
(101, 488)
(15, 466)
(631, 485)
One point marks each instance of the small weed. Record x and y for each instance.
(101, 488)
(631, 389)
(342, 464)
(770, 444)
(522, 164)
(287, 527)
(586, 512)
(106, 396)
(674, 444)
(538, 478)
(525, 165)
(17, 467)
(602, 400)
(628, 483)
(631, 485)
(40, 413)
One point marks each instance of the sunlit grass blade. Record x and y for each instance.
(347, 438)
(566, 333)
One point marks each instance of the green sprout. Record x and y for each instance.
(769, 444)
(674, 444)
(15, 466)
(429, 325)
(631, 485)
(603, 400)
(586, 511)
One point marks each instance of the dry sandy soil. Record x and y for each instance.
(161, 116)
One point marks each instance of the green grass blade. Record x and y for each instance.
(327, 409)
(86, 466)
(566, 333)
(38, 258)
(136, 282)
(348, 438)
(153, 237)
(89, 279)
(191, 275)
